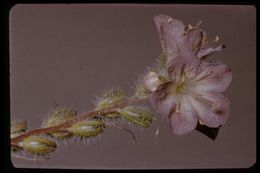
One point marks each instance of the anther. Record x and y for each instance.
(216, 39)
(170, 20)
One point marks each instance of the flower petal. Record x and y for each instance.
(204, 52)
(180, 65)
(162, 101)
(185, 120)
(171, 33)
(195, 36)
(214, 77)
(212, 108)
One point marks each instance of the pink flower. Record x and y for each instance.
(187, 88)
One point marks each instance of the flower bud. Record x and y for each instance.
(137, 115)
(151, 81)
(113, 115)
(38, 145)
(59, 116)
(140, 91)
(111, 97)
(15, 148)
(85, 129)
(17, 128)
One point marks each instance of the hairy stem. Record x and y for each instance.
(82, 117)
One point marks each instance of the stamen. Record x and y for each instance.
(179, 108)
(170, 20)
(198, 24)
(216, 39)
(172, 109)
(189, 27)
(201, 122)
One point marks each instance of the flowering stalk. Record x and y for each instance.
(182, 86)
(77, 119)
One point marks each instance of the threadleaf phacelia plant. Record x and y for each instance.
(183, 86)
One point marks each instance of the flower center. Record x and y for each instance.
(180, 88)
(177, 88)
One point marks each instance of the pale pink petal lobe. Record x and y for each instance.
(212, 108)
(195, 36)
(204, 52)
(214, 77)
(171, 35)
(184, 120)
(161, 101)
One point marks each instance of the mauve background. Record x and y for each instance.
(68, 54)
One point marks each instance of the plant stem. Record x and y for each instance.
(82, 117)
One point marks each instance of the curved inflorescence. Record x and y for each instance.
(183, 86)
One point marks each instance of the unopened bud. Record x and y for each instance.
(38, 145)
(59, 116)
(89, 128)
(137, 115)
(111, 97)
(15, 148)
(113, 115)
(151, 81)
(17, 128)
